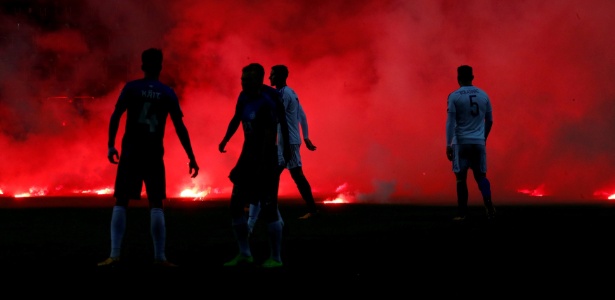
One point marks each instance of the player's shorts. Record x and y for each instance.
(295, 157)
(255, 180)
(133, 172)
(470, 156)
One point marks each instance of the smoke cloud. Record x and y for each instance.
(372, 76)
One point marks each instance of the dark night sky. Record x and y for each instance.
(372, 76)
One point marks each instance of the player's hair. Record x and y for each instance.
(257, 68)
(151, 60)
(464, 72)
(280, 71)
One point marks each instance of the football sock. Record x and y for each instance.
(253, 215)
(280, 217)
(241, 232)
(304, 188)
(159, 233)
(462, 197)
(118, 227)
(275, 239)
(485, 188)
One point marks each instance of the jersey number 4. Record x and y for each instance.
(150, 119)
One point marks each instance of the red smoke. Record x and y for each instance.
(372, 76)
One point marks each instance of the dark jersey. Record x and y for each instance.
(148, 103)
(259, 119)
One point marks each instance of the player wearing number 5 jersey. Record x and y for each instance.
(147, 103)
(468, 123)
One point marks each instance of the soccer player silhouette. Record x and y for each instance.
(468, 124)
(147, 103)
(295, 117)
(260, 111)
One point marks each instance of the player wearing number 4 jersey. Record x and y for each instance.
(468, 125)
(147, 103)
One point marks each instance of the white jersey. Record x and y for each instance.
(293, 109)
(303, 121)
(468, 107)
(295, 117)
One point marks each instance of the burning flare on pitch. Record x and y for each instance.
(343, 195)
(536, 192)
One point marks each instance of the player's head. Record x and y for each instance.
(252, 77)
(151, 61)
(278, 75)
(464, 74)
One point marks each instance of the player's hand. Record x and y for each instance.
(309, 145)
(221, 146)
(113, 155)
(449, 153)
(194, 168)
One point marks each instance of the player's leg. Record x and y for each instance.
(255, 208)
(155, 187)
(117, 231)
(479, 169)
(460, 168)
(280, 169)
(158, 230)
(485, 188)
(304, 188)
(462, 193)
(253, 211)
(239, 224)
(294, 165)
(127, 186)
(270, 214)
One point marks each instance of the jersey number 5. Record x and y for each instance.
(473, 106)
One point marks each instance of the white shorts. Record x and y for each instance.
(470, 156)
(295, 157)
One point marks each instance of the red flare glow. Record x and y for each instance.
(537, 192)
(378, 119)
